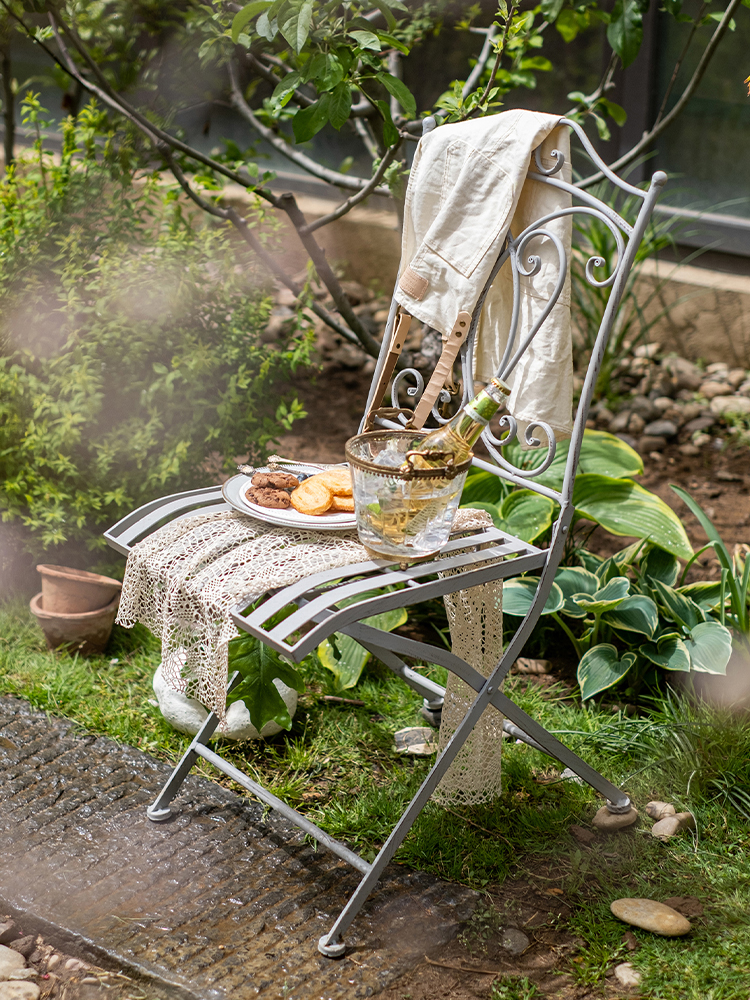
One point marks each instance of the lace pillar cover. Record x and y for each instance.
(475, 617)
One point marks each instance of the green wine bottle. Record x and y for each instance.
(451, 444)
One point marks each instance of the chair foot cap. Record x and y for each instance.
(335, 950)
(158, 815)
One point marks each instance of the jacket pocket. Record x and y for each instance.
(475, 203)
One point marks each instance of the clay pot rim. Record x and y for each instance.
(83, 575)
(36, 609)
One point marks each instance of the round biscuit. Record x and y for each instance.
(338, 481)
(311, 497)
(344, 505)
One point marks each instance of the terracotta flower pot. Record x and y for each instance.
(87, 632)
(74, 591)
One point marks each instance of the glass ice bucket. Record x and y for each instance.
(407, 514)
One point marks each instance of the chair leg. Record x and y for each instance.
(159, 810)
(330, 944)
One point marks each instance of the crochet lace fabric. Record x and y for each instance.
(475, 617)
(182, 580)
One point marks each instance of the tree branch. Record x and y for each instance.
(499, 56)
(680, 61)
(109, 97)
(317, 255)
(232, 215)
(307, 164)
(355, 199)
(476, 74)
(656, 131)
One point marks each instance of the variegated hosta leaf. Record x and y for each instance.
(601, 667)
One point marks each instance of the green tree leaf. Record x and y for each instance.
(366, 39)
(309, 121)
(551, 9)
(340, 105)
(390, 132)
(398, 89)
(259, 667)
(295, 18)
(625, 30)
(625, 508)
(244, 16)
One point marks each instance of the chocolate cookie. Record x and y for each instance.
(264, 496)
(275, 480)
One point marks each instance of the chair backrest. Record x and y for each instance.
(409, 382)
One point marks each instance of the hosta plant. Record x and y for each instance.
(604, 492)
(626, 615)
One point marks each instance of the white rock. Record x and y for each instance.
(672, 825)
(627, 976)
(19, 991)
(730, 404)
(187, 715)
(660, 810)
(10, 961)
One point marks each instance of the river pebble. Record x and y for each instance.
(651, 915)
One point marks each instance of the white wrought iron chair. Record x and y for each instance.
(487, 555)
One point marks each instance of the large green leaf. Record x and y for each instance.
(526, 514)
(676, 606)
(259, 667)
(669, 652)
(601, 667)
(635, 614)
(602, 454)
(606, 599)
(518, 594)
(709, 646)
(398, 89)
(340, 105)
(484, 487)
(574, 580)
(660, 565)
(344, 656)
(705, 593)
(623, 507)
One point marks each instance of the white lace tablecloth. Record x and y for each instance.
(182, 580)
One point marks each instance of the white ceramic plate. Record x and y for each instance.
(234, 494)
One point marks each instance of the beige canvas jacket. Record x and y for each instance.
(468, 187)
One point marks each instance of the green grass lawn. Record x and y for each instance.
(338, 766)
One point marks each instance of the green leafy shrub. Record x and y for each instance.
(131, 356)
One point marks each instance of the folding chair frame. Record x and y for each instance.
(470, 561)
